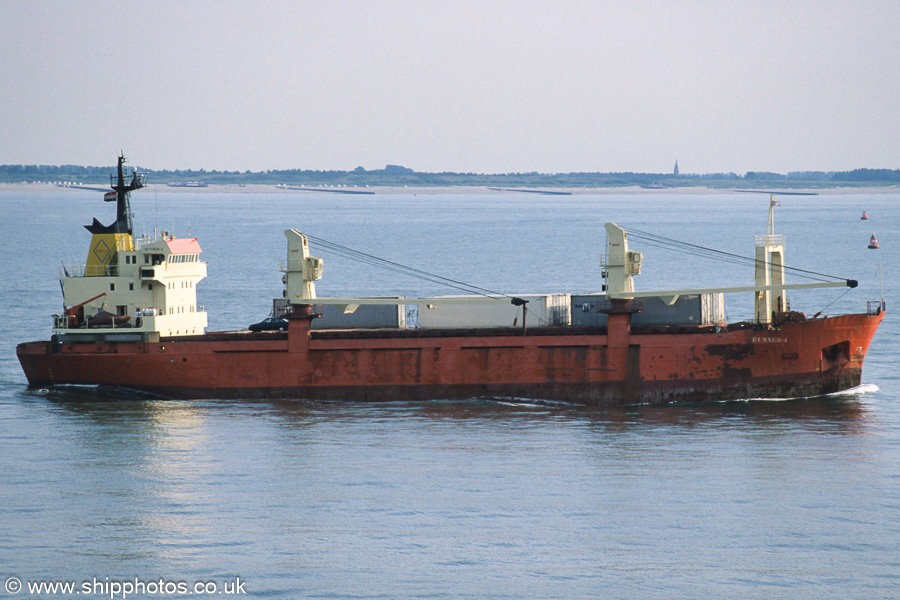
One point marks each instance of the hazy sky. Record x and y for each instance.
(479, 86)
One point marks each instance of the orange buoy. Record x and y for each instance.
(873, 243)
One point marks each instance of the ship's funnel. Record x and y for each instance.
(108, 240)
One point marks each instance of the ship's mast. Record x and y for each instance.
(123, 223)
(770, 270)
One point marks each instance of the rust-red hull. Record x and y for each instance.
(597, 368)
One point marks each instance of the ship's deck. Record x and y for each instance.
(409, 333)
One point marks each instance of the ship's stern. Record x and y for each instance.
(33, 359)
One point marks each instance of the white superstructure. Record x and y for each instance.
(154, 285)
(131, 289)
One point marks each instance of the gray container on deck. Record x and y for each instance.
(366, 316)
(695, 309)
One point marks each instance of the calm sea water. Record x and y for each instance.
(452, 500)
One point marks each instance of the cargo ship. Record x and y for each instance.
(131, 320)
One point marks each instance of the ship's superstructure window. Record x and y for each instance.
(184, 258)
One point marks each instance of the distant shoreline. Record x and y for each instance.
(462, 189)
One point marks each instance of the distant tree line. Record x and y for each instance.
(870, 175)
(395, 175)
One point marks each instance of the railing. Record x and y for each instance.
(88, 270)
(875, 307)
(62, 322)
(101, 271)
(769, 240)
(145, 316)
(145, 271)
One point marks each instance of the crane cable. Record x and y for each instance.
(390, 265)
(659, 241)
(375, 261)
